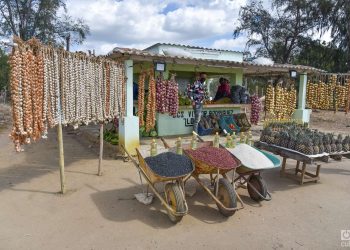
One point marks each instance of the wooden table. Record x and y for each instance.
(305, 176)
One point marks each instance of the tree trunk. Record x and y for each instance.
(68, 42)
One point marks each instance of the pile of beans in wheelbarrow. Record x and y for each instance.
(170, 164)
(218, 157)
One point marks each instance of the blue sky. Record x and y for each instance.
(141, 23)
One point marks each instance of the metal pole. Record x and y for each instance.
(101, 151)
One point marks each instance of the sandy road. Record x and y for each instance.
(100, 212)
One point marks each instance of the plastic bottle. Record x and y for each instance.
(194, 142)
(153, 148)
(233, 141)
(228, 140)
(249, 138)
(216, 142)
(179, 146)
(242, 138)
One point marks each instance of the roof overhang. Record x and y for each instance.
(249, 68)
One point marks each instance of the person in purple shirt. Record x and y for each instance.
(197, 93)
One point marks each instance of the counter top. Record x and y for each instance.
(208, 106)
(218, 106)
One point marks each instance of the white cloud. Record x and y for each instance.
(140, 23)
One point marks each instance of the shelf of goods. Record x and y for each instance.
(306, 146)
(182, 122)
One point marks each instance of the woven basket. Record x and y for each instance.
(202, 167)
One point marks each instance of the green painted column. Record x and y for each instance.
(129, 73)
(302, 91)
(301, 113)
(238, 77)
(129, 125)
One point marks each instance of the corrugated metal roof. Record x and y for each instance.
(192, 47)
(122, 52)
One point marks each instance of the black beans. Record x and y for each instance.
(170, 164)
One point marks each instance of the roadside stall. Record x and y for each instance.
(177, 66)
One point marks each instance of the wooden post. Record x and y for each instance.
(297, 168)
(283, 169)
(61, 157)
(101, 151)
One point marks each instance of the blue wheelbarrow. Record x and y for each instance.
(253, 162)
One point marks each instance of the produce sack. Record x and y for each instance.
(242, 121)
(235, 94)
(227, 123)
(205, 126)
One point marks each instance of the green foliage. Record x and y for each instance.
(111, 136)
(322, 55)
(285, 32)
(40, 19)
(338, 24)
(276, 33)
(4, 70)
(184, 101)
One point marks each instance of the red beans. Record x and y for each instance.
(216, 157)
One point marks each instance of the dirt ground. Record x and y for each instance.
(101, 213)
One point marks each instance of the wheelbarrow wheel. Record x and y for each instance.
(175, 200)
(257, 182)
(227, 196)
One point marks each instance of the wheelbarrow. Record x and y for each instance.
(174, 195)
(224, 194)
(253, 161)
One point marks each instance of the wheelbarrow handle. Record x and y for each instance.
(166, 145)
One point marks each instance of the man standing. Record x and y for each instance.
(197, 92)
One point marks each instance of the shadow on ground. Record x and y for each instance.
(40, 158)
(116, 204)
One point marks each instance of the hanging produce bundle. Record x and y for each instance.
(92, 89)
(255, 110)
(292, 100)
(280, 101)
(51, 86)
(270, 99)
(167, 96)
(141, 98)
(329, 93)
(162, 95)
(151, 103)
(173, 96)
(347, 101)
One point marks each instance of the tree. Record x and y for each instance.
(40, 19)
(4, 70)
(277, 33)
(321, 55)
(339, 24)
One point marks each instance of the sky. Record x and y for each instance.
(141, 23)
